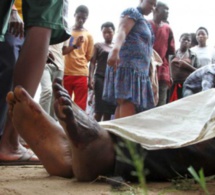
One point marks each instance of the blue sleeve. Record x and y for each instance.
(132, 13)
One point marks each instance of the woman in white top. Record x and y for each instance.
(205, 53)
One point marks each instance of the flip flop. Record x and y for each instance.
(28, 158)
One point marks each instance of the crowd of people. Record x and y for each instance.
(42, 49)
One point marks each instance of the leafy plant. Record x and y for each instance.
(200, 178)
(136, 160)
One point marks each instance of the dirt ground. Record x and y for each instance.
(34, 180)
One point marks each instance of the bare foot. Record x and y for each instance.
(92, 147)
(81, 129)
(44, 136)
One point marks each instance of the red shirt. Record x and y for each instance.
(164, 45)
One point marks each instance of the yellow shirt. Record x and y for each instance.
(18, 4)
(76, 62)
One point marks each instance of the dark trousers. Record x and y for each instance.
(9, 52)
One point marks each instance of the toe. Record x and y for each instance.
(10, 98)
(21, 94)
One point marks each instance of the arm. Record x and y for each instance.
(171, 45)
(51, 59)
(92, 68)
(187, 66)
(125, 26)
(70, 48)
(16, 25)
(91, 96)
(51, 55)
(90, 48)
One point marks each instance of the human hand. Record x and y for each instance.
(91, 84)
(90, 99)
(90, 102)
(51, 55)
(50, 58)
(113, 59)
(16, 25)
(79, 41)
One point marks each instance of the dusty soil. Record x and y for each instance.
(30, 180)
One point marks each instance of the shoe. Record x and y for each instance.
(22, 141)
(28, 158)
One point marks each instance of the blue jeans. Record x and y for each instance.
(9, 52)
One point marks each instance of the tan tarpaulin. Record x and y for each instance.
(181, 123)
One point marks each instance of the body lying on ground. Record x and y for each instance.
(82, 148)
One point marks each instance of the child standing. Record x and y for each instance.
(103, 110)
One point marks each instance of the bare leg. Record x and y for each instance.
(28, 72)
(98, 117)
(92, 147)
(45, 137)
(124, 108)
(9, 150)
(116, 114)
(106, 117)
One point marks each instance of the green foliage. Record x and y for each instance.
(136, 160)
(183, 183)
(200, 178)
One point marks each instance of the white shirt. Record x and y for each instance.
(206, 55)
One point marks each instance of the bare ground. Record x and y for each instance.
(31, 180)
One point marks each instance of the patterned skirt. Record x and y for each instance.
(129, 84)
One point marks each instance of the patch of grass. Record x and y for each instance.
(199, 178)
(137, 161)
(183, 183)
(180, 183)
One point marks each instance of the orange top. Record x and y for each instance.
(76, 62)
(18, 6)
(14, 7)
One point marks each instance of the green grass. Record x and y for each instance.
(199, 178)
(137, 161)
(181, 183)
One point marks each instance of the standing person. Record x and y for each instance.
(164, 45)
(54, 68)
(99, 61)
(182, 64)
(205, 53)
(78, 51)
(127, 80)
(9, 52)
(44, 25)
